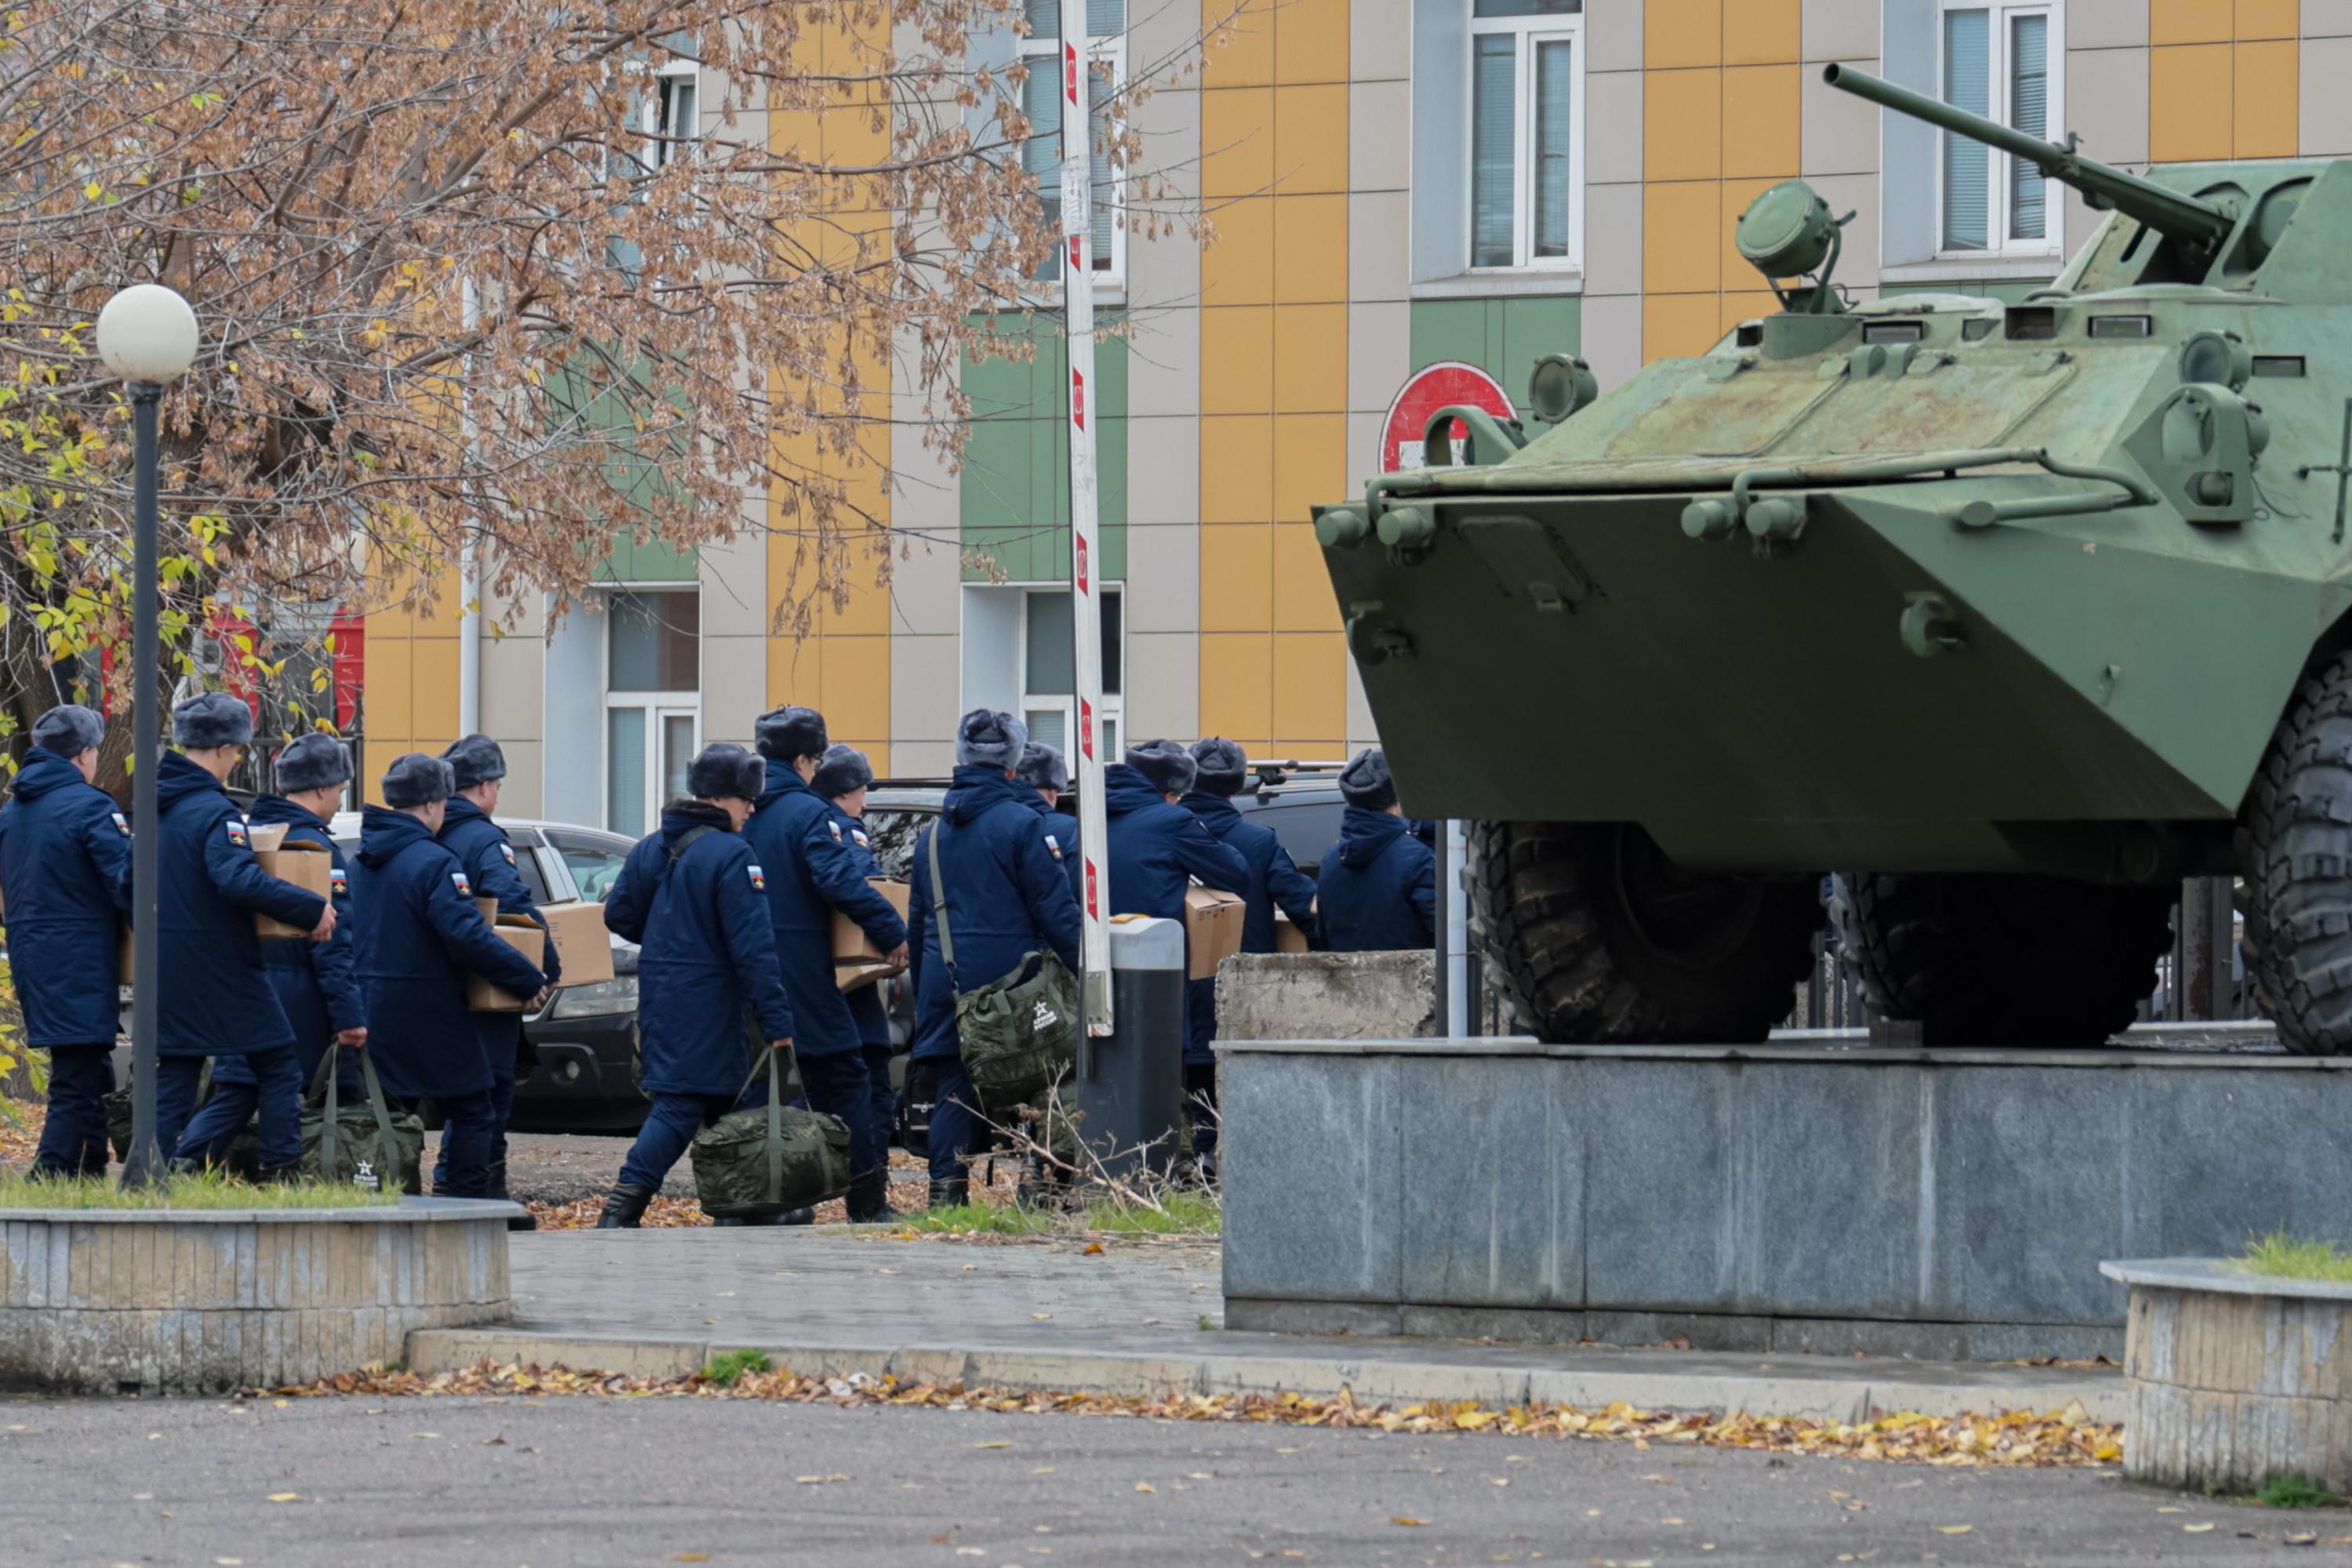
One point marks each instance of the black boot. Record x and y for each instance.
(869, 1199)
(522, 1221)
(280, 1176)
(624, 1208)
(796, 1216)
(951, 1194)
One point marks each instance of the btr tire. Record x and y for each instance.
(2299, 944)
(1595, 937)
(2003, 961)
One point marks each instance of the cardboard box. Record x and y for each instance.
(856, 960)
(1212, 928)
(312, 870)
(580, 940)
(523, 933)
(1288, 936)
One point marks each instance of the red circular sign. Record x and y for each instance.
(1425, 392)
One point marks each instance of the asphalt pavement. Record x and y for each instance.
(555, 1482)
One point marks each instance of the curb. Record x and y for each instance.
(1383, 1380)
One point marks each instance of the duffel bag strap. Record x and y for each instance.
(940, 908)
(375, 1101)
(327, 1127)
(776, 1128)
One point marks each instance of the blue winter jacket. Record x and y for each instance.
(1157, 849)
(706, 960)
(1377, 887)
(804, 854)
(64, 869)
(487, 858)
(215, 1001)
(1274, 879)
(866, 1005)
(1062, 832)
(1006, 894)
(315, 982)
(419, 936)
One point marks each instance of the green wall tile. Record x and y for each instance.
(1503, 337)
(1017, 466)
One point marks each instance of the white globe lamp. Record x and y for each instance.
(147, 333)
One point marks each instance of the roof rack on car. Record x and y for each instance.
(1272, 771)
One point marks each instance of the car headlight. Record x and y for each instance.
(605, 997)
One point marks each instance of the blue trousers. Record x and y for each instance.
(881, 1100)
(468, 1127)
(669, 1127)
(955, 1122)
(836, 1085)
(276, 1092)
(73, 1140)
(501, 1094)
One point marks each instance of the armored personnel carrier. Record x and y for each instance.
(2009, 615)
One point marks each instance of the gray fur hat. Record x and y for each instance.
(790, 734)
(414, 779)
(988, 738)
(475, 759)
(1365, 780)
(1042, 767)
(844, 768)
(1224, 766)
(68, 729)
(313, 761)
(211, 718)
(1168, 765)
(725, 771)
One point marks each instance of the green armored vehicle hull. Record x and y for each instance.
(2009, 615)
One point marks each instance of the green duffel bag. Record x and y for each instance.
(758, 1164)
(243, 1158)
(366, 1146)
(1019, 1033)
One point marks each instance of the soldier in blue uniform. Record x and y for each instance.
(1043, 769)
(1378, 888)
(216, 997)
(418, 937)
(811, 873)
(1157, 847)
(314, 981)
(695, 898)
(487, 858)
(1007, 897)
(841, 780)
(65, 871)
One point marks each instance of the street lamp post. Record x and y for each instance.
(146, 335)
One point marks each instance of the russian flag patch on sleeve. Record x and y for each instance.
(464, 886)
(759, 878)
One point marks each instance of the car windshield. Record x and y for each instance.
(1305, 827)
(893, 830)
(595, 860)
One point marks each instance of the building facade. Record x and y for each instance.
(1392, 184)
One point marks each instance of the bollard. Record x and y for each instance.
(1130, 1087)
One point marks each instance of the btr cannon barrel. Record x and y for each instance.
(2199, 225)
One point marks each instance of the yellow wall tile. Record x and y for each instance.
(1681, 251)
(2266, 123)
(1736, 195)
(1237, 686)
(1238, 269)
(1684, 32)
(1236, 365)
(794, 667)
(1310, 687)
(1310, 41)
(1310, 359)
(855, 688)
(390, 692)
(1682, 124)
(1310, 464)
(1759, 121)
(1236, 577)
(1742, 306)
(435, 720)
(1310, 249)
(2189, 114)
(2269, 18)
(1237, 142)
(1303, 600)
(1761, 32)
(1239, 50)
(1311, 139)
(2189, 21)
(867, 613)
(1680, 326)
(1237, 469)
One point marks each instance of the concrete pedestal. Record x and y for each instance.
(1939, 1203)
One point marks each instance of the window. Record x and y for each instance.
(676, 113)
(652, 704)
(1996, 60)
(1049, 668)
(594, 863)
(1527, 150)
(1041, 101)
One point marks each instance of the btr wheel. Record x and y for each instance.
(2003, 961)
(2298, 943)
(1596, 937)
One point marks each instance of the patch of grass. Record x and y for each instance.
(1188, 1214)
(2294, 1490)
(207, 1190)
(984, 1219)
(728, 1370)
(2292, 1257)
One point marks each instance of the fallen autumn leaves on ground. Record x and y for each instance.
(2017, 1437)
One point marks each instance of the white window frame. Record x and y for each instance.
(672, 74)
(657, 706)
(1997, 205)
(1113, 703)
(1044, 58)
(1530, 31)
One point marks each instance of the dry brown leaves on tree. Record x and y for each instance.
(2017, 1438)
